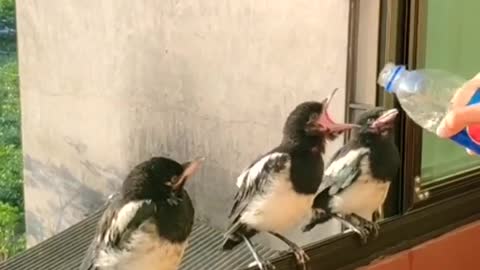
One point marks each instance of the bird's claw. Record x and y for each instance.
(262, 265)
(375, 229)
(376, 216)
(266, 265)
(301, 257)
(367, 229)
(372, 228)
(363, 233)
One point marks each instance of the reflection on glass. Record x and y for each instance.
(451, 44)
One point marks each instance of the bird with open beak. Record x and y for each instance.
(358, 177)
(146, 225)
(277, 190)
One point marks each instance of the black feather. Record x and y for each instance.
(301, 148)
(376, 150)
(148, 186)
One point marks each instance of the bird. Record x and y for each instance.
(277, 190)
(146, 224)
(359, 175)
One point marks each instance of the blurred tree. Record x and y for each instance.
(12, 224)
(11, 231)
(11, 176)
(9, 103)
(7, 13)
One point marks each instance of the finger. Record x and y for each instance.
(458, 119)
(470, 152)
(464, 95)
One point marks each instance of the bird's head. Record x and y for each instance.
(377, 123)
(310, 122)
(159, 178)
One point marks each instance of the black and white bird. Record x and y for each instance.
(277, 190)
(358, 177)
(146, 225)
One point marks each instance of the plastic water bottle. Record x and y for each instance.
(425, 96)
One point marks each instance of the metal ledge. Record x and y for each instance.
(344, 252)
(66, 250)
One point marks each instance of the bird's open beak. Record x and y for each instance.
(386, 120)
(326, 123)
(189, 169)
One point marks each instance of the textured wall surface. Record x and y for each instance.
(106, 84)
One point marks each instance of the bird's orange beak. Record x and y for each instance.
(189, 169)
(327, 124)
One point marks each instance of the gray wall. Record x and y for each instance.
(106, 84)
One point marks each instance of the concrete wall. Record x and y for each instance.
(107, 84)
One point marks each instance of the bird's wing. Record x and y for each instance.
(115, 227)
(252, 181)
(343, 169)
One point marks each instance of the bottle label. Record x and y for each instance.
(470, 136)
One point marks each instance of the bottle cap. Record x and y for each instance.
(388, 74)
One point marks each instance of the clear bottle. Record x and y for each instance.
(425, 96)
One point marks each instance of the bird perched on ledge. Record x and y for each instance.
(276, 191)
(147, 224)
(358, 177)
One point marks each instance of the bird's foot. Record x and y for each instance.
(363, 233)
(301, 257)
(366, 228)
(376, 216)
(374, 229)
(263, 265)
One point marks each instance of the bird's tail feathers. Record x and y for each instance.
(231, 241)
(318, 217)
(234, 235)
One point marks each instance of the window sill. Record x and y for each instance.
(399, 233)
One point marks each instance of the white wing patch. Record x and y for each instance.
(145, 251)
(252, 173)
(124, 216)
(336, 166)
(340, 163)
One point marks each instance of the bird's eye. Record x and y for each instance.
(370, 120)
(172, 181)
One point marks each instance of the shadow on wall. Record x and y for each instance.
(60, 199)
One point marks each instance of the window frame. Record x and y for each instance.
(412, 218)
(418, 194)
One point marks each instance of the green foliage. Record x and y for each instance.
(12, 228)
(12, 239)
(9, 103)
(12, 225)
(7, 12)
(11, 176)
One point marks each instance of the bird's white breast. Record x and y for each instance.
(363, 197)
(279, 209)
(146, 251)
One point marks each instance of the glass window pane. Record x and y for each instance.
(451, 44)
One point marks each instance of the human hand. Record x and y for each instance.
(461, 115)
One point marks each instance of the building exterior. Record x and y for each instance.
(107, 84)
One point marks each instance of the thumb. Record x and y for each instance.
(458, 119)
